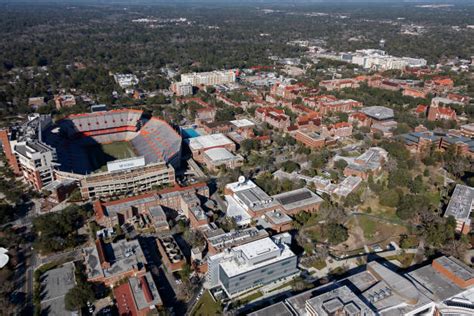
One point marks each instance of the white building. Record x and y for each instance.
(208, 78)
(246, 267)
(126, 80)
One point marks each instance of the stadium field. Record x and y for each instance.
(100, 154)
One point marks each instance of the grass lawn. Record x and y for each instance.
(99, 154)
(319, 264)
(368, 225)
(207, 306)
(251, 297)
(405, 259)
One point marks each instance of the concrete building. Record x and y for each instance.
(245, 200)
(138, 296)
(246, 267)
(131, 180)
(218, 240)
(27, 154)
(215, 157)
(299, 200)
(276, 221)
(370, 162)
(126, 80)
(110, 262)
(384, 128)
(198, 145)
(209, 78)
(181, 89)
(378, 113)
(460, 207)
(340, 301)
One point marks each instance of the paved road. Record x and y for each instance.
(72, 254)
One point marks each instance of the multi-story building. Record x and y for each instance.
(126, 80)
(337, 130)
(460, 207)
(209, 78)
(421, 142)
(368, 163)
(138, 296)
(171, 253)
(254, 264)
(286, 91)
(444, 287)
(198, 145)
(148, 207)
(26, 152)
(130, 180)
(467, 130)
(181, 88)
(108, 263)
(274, 117)
(439, 111)
(345, 106)
(216, 157)
(378, 113)
(310, 139)
(299, 200)
(338, 84)
(414, 92)
(219, 241)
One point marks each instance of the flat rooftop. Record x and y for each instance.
(378, 112)
(253, 250)
(243, 123)
(297, 198)
(219, 154)
(456, 267)
(461, 203)
(278, 217)
(278, 309)
(208, 141)
(341, 298)
(141, 288)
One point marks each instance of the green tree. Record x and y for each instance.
(77, 297)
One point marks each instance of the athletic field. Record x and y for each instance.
(99, 154)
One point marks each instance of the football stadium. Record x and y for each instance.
(109, 152)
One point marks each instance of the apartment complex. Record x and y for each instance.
(209, 78)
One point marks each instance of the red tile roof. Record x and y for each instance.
(125, 301)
